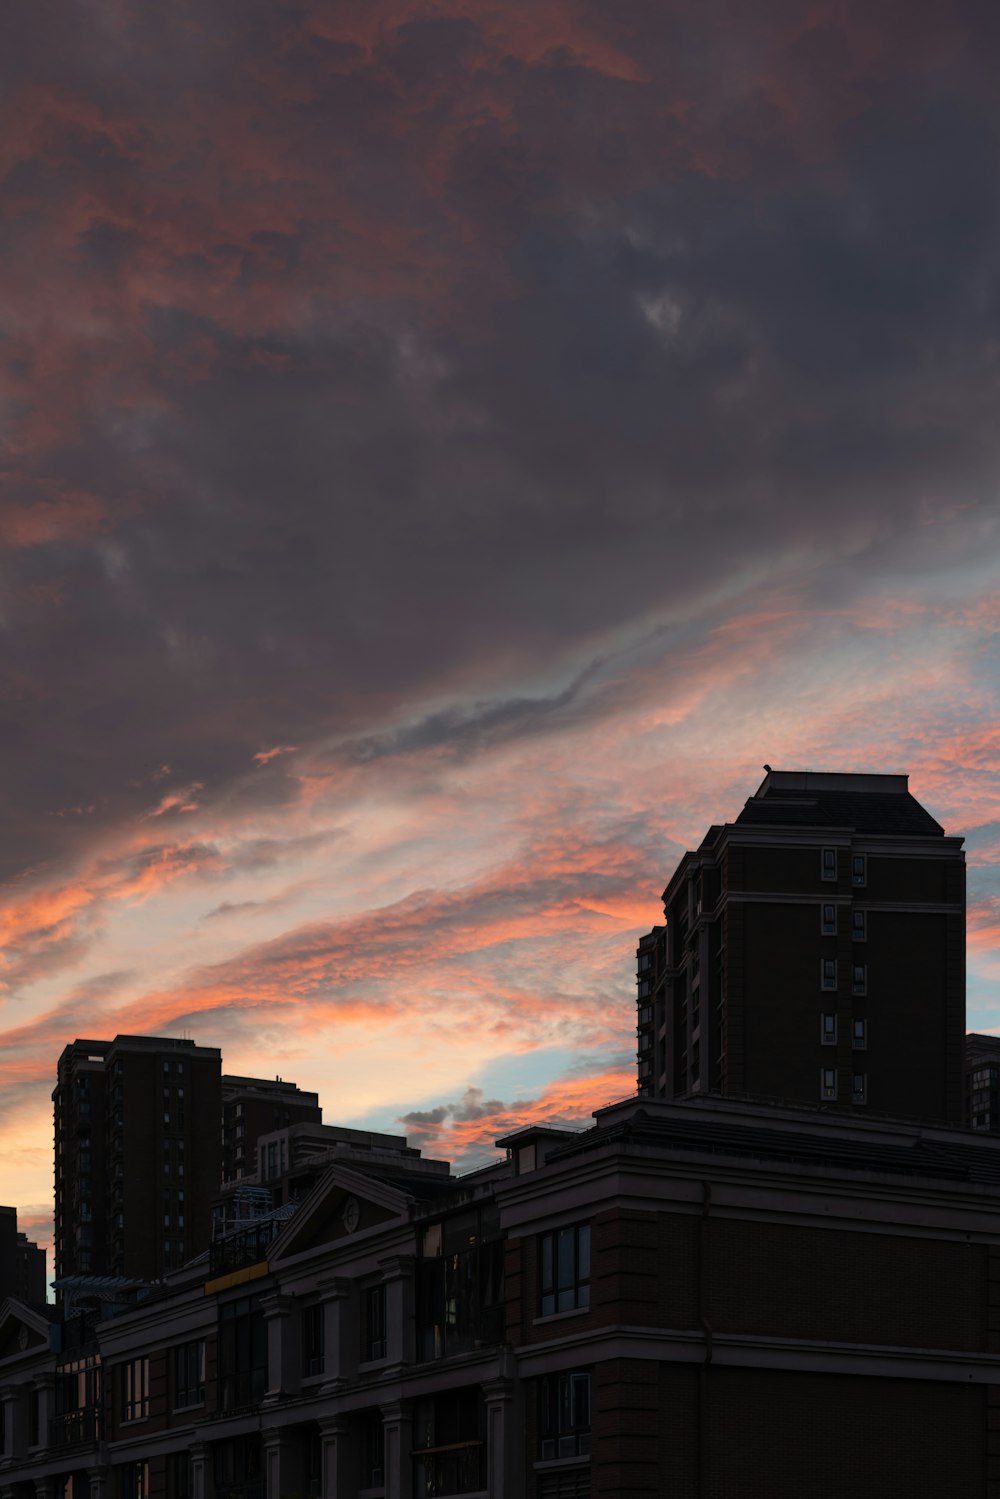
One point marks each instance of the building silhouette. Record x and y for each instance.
(22, 1263)
(255, 1106)
(137, 1154)
(813, 951)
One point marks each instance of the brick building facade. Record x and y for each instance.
(707, 1299)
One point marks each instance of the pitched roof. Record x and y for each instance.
(861, 811)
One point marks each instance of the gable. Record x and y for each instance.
(343, 1205)
(21, 1330)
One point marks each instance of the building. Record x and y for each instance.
(22, 1263)
(137, 1155)
(982, 1082)
(696, 1299)
(813, 950)
(255, 1106)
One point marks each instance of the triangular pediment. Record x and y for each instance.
(23, 1329)
(344, 1204)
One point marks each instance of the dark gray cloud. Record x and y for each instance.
(391, 396)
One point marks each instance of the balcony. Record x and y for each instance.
(76, 1428)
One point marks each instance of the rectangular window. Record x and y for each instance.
(564, 1415)
(135, 1389)
(859, 869)
(374, 1345)
(828, 1082)
(565, 1269)
(242, 1354)
(828, 919)
(189, 1374)
(135, 1481)
(449, 1446)
(314, 1339)
(860, 978)
(181, 1476)
(859, 925)
(859, 1088)
(828, 1030)
(860, 1038)
(372, 1450)
(829, 864)
(828, 973)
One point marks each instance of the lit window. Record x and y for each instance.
(860, 1040)
(859, 869)
(829, 864)
(828, 1030)
(828, 973)
(828, 919)
(828, 1082)
(565, 1269)
(859, 925)
(859, 1088)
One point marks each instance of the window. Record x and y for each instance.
(828, 973)
(828, 1030)
(565, 1269)
(859, 925)
(828, 1082)
(372, 1449)
(449, 1455)
(859, 869)
(859, 1088)
(189, 1373)
(135, 1389)
(564, 1415)
(459, 1284)
(314, 1339)
(828, 919)
(829, 864)
(374, 1345)
(860, 1037)
(181, 1476)
(860, 978)
(135, 1481)
(646, 1015)
(242, 1354)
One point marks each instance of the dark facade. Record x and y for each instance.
(813, 950)
(982, 1082)
(255, 1106)
(22, 1263)
(701, 1300)
(137, 1154)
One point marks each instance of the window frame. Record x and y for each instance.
(827, 1034)
(564, 1415)
(135, 1388)
(828, 863)
(828, 1083)
(828, 975)
(859, 869)
(189, 1360)
(828, 928)
(564, 1269)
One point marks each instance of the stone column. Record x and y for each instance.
(397, 1424)
(400, 1327)
(504, 1461)
(280, 1468)
(43, 1390)
(340, 1333)
(202, 1477)
(283, 1358)
(100, 1483)
(13, 1422)
(45, 1488)
(340, 1457)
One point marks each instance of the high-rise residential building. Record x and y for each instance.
(255, 1106)
(982, 1082)
(813, 950)
(22, 1263)
(137, 1154)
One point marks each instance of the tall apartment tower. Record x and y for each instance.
(22, 1263)
(255, 1106)
(137, 1154)
(813, 951)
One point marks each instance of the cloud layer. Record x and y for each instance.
(447, 448)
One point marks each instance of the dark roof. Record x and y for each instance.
(951, 1160)
(863, 811)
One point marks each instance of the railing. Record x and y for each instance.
(247, 1247)
(75, 1428)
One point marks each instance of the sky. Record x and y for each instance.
(446, 448)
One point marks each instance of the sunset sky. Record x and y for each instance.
(448, 446)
